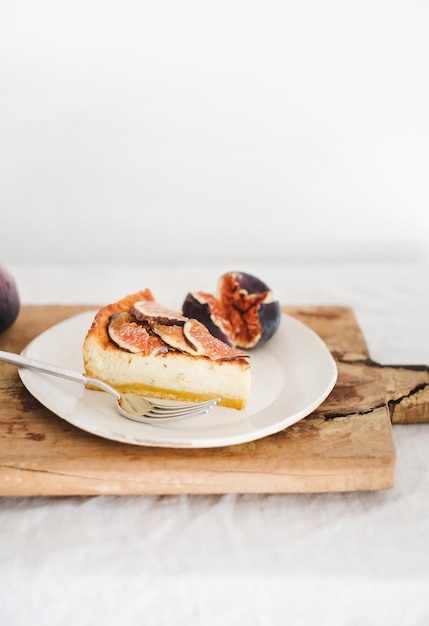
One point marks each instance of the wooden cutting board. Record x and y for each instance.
(345, 445)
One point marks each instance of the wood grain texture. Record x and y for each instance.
(406, 386)
(345, 445)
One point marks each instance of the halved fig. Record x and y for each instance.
(244, 312)
(251, 307)
(127, 334)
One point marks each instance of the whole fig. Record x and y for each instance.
(244, 313)
(9, 299)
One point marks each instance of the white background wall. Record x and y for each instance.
(185, 130)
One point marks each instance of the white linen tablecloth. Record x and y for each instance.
(257, 560)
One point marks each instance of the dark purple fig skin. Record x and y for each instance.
(250, 283)
(196, 309)
(270, 316)
(9, 299)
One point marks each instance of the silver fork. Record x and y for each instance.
(130, 405)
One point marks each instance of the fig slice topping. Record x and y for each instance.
(207, 345)
(153, 312)
(127, 334)
(207, 309)
(173, 335)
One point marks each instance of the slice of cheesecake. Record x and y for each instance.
(138, 345)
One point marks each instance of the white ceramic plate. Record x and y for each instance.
(291, 376)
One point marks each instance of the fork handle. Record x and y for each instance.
(56, 370)
(47, 368)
